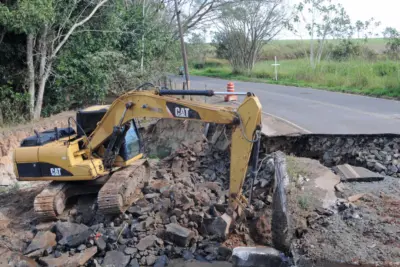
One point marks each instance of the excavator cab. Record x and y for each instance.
(123, 146)
(131, 146)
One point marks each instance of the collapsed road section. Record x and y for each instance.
(376, 152)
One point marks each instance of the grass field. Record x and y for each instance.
(369, 74)
(294, 49)
(380, 78)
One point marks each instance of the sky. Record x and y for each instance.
(385, 11)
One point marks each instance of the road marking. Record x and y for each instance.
(281, 119)
(389, 117)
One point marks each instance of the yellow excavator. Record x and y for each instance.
(104, 155)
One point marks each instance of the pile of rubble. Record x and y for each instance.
(179, 216)
(376, 152)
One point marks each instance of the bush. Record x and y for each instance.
(210, 63)
(262, 75)
(392, 82)
(13, 105)
(345, 50)
(385, 68)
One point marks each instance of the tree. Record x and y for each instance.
(392, 37)
(246, 28)
(48, 24)
(198, 48)
(195, 13)
(328, 20)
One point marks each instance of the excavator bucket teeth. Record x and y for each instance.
(123, 188)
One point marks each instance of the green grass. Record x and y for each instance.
(295, 49)
(380, 78)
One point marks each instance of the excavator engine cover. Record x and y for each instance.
(47, 136)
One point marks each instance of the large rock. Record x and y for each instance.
(65, 260)
(134, 263)
(218, 226)
(179, 235)
(9, 258)
(280, 223)
(380, 167)
(162, 261)
(100, 243)
(72, 234)
(260, 230)
(115, 258)
(146, 242)
(150, 260)
(257, 256)
(42, 241)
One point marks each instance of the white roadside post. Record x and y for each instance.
(276, 68)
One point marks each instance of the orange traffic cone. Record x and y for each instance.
(230, 88)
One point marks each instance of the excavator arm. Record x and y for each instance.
(246, 122)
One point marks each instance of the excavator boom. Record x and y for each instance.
(246, 121)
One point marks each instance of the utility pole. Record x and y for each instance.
(183, 48)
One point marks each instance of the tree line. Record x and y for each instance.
(62, 54)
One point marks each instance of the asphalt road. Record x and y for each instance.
(317, 111)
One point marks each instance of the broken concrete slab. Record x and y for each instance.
(64, 229)
(179, 235)
(146, 242)
(257, 256)
(326, 182)
(75, 240)
(115, 258)
(340, 187)
(65, 260)
(42, 241)
(350, 173)
(356, 197)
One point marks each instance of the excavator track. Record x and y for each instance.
(123, 188)
(50, 203)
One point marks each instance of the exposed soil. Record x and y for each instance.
(364, 232)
